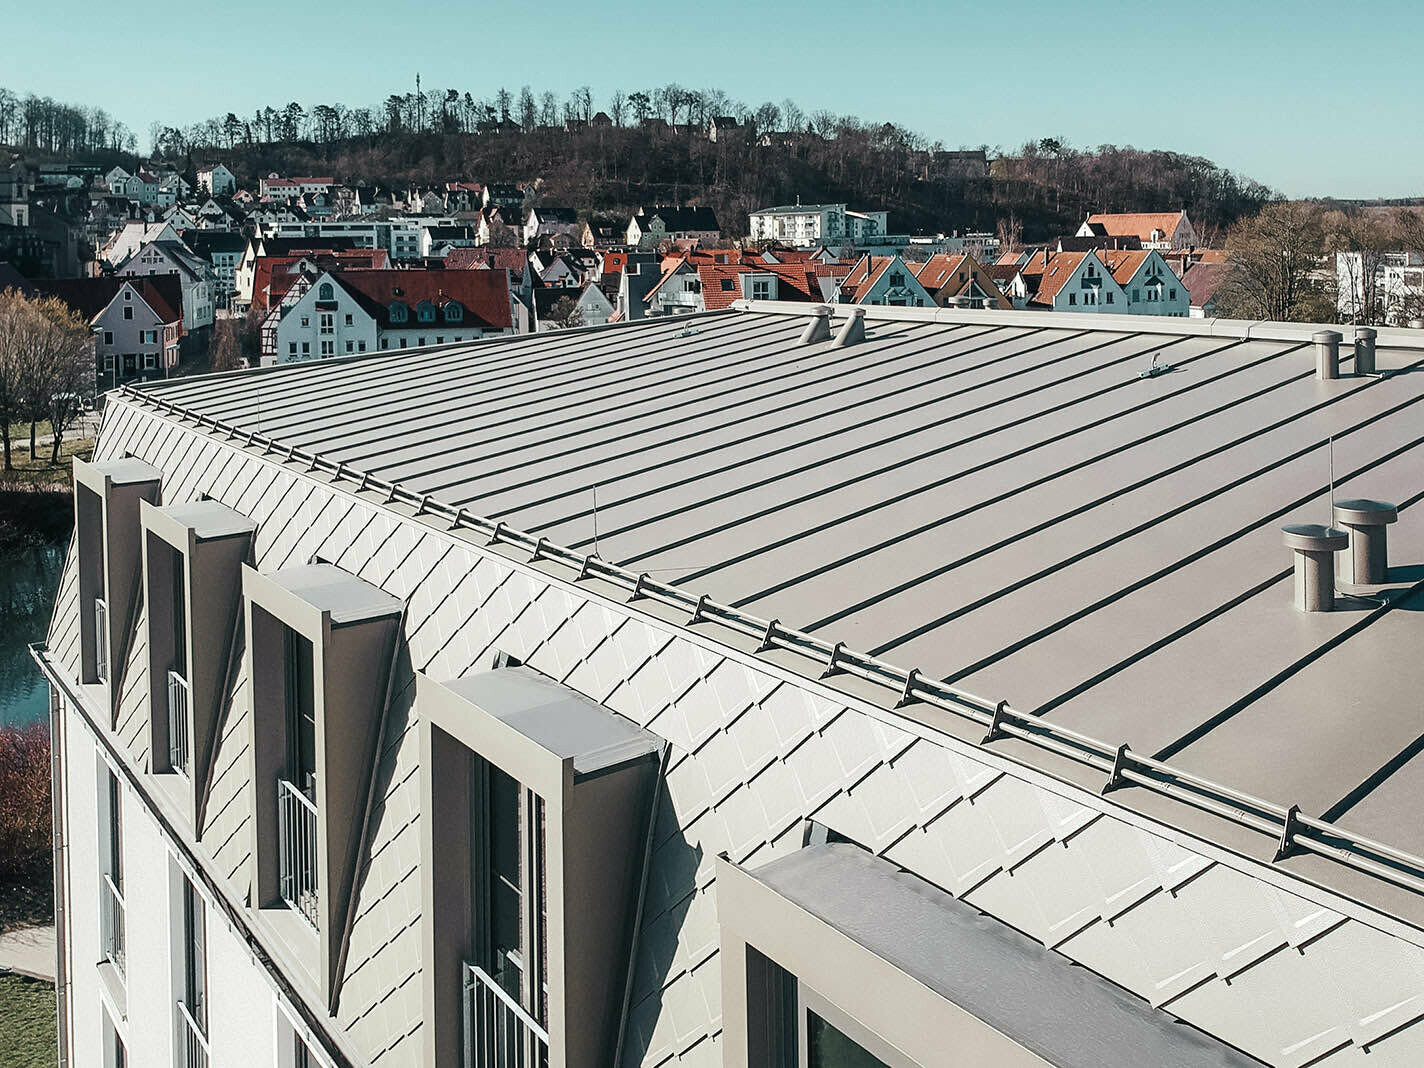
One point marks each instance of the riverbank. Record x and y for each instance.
(37, 497)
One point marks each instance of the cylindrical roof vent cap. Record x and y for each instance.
(1315, 547)
(1367, 562)
(1327, 353)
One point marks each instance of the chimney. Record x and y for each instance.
(1045, 257)
(853, 331)
(1365, 350)
(1367, 562)
(1315, 548)
(819, 328)
(1327, 354)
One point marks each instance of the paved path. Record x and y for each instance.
(29, 951)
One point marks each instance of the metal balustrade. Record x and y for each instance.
(178, 747)
(111, 921)
(192, 1041)
(296, 851)
(101, 640)
(499, 1033)
(1292, 829)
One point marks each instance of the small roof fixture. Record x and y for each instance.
(1315, 547)
(1367, 563)
(1157, 367)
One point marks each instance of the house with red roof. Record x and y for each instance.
(949, 276)
(1150, 284)
(883, 280)
(1162, 230)
(346, 313)
(137, 322)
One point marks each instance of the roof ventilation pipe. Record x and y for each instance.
(1367, 562)
(961, 302)
(1315, 548)
(1365, 350)
(854, 329)
(819, 328)
(1327, 354)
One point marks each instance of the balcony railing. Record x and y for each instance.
(178, 748)
(296, 849)
(191, 1039)
(101, 640)
(111, 921)
(499, 1033)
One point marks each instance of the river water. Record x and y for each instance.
(28, 581)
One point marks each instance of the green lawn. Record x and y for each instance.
(38, 471)
(27, 1023)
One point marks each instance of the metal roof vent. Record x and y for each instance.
(1365, 350)
(854, 329)
(1327, 353)
(1367, 562)
(1315, 547)
(819, 328)
(961, 301)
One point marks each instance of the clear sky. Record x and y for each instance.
(1312, 98)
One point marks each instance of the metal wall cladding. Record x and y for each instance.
(753, 755)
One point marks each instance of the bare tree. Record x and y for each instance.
(564, 315)
(225, 354)
(617, 107)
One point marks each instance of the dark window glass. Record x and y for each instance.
(195, 956)
(827, 1047)
(301, 713)
(180, 618)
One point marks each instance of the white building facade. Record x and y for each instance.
(809, 225)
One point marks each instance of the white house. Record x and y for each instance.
(195, 275)
(1076, 282)
(650, 227)
(1150, 284)
(884, 280)
(810, 225)
(548, 220)
(591, 305)
(1161, 230)
(1393, 281)
(216, 180)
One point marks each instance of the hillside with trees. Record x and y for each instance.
(641, 147)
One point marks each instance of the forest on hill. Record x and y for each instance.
(652, 147)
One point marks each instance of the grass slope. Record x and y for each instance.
(27, 1023)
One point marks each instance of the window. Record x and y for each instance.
(324, 292)
(896, 278)
(327, 322)
(454, 312)
(111, 869)
(348, 319)
(420, 341)
(115, 1056)
(1110, 298)
(399, 312)
(192, 1007)
(150, 361)
(361, 346)
(128, 312)
(1072, 298)
(350, 346)
(1171, 294)
(291, 348)
(306, 348)
(306, 321)
(108, 337)
(728, 285)
(1136, 296)
(402, 342)
(425, 312)
(328, 348)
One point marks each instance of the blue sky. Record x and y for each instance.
(1311, 98)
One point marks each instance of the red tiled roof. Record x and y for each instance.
(1060, 267)
(1203, 280)
(863, 276)
(1123, 265)
(794, 282)
(940, 271)
(90, 296)
(483, 294)
(1138, 223)
(272, 276)
(471, 259)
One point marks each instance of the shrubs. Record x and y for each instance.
(25, 827)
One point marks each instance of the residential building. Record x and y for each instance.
(1202, 282)
(223, 250)
(14, 196)
(216, 180)
(1392, 282)
(591, 306)
(1160, 230)
(398, 236)
(1150, 284)
(137, 322)
(551, 221)
(649, 228)
(344, 313)
(886, 280)
(194, 273)
(1075, 282)
(810, 225)
(353, 709)
(959, 279)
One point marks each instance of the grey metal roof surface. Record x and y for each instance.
(1001, 502)
(330, 589)
(1061, 1012)
(211, 519)
(562, 722)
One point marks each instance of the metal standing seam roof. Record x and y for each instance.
(998, 499)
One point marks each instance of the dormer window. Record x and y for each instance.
(320, 645)
(325, 292)
(107, 496)
(519, 773)
(399, 312)
(454, 312)
(192, 559)
(425, 312)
